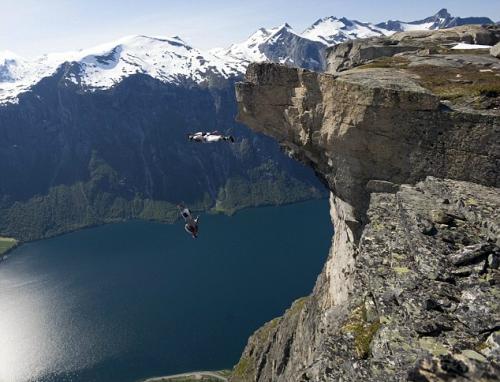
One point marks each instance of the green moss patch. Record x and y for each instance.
(432, 346)
(362, 330)
(401, 270)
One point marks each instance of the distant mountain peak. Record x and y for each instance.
(283, 28)
(348, 22)
(322, 20)
(442, 19)
(332, 30)
(443, 13)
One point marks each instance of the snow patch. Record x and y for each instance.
(250, 50)
(331, 31)
(464, 45)
(417, 27)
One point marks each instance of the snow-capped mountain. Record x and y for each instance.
(442, 19)
(169, 60)
(306, 49)
(11, 66)
(331, 30)
(281, 44)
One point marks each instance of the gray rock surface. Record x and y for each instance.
(368, 124)
(495, 50)
(410, 315)
(352, 53)
(410, 288)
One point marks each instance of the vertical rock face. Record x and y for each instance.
(371, 124)
(410, 287)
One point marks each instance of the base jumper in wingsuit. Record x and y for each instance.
(206, 137)
(191, 224)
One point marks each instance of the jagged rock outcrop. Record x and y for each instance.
(410, 287)
(357, 52)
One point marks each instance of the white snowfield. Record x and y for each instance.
(101, 67)
(416, 27)
(331, 31)
(172, 60)
(250, 50)
(464, 45)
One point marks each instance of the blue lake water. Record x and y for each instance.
(123, 302)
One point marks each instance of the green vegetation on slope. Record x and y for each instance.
(98, 201)
(6, 244)
(265, 185)
(244, 370)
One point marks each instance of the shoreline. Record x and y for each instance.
(211, 211)
(195, 375)
(15, 244)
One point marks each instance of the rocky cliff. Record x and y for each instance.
(407, 140)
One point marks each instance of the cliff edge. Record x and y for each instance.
(404, 131)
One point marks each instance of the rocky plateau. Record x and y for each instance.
(404, 131)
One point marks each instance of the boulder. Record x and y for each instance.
(495, 50)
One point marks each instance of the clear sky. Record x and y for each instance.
(33, 27)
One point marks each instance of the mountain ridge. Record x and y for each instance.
(441, 20)
(172, 60)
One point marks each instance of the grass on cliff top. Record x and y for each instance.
(467, 82)
(6, 244)
(452, 83)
